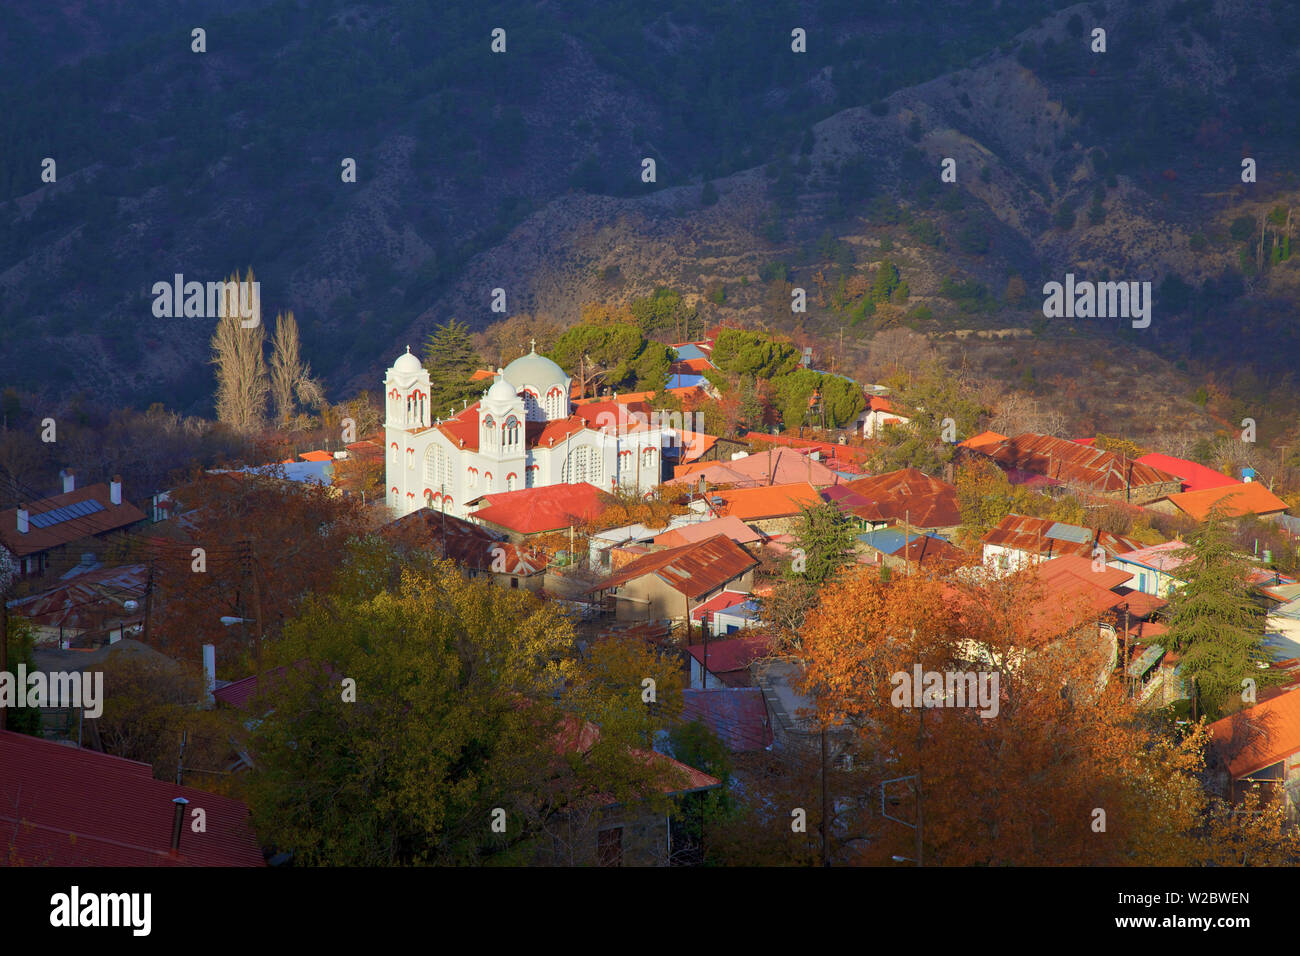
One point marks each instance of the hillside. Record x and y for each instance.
(474, 174)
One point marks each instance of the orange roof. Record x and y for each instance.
(1248, 498)
(731, 526)
(769, 501)
(983, 439)
(482, 374)
(1258, 736)
(316, 456)
(91, 512)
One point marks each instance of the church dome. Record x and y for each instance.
(536, 372)
(407, 364)
(502, 393)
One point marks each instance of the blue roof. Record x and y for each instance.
(685, 381)
(688, 352)
(890, 540)
(1069, 532)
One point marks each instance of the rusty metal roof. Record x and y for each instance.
(1050, 539)
(1070, 462)
(693, 569)
(908, 494)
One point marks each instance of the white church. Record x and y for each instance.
(523, 433)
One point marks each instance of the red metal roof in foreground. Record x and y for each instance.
(65, 806)
(692, 569)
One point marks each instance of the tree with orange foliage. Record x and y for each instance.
(258, 545)
(1046, 777)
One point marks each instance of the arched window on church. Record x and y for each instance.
(410, 458)
(472, 474)
(490, 430)
(530, 475)
(553, 401)
(392, 453)
(510, 433)
(511, 481)
(487, 480)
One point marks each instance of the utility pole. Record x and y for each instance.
(826, 806)
(257, 608)
(148, 602)
(920, 743)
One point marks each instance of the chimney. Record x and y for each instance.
(178, 819)
(69, 481)
(210, 670)
(115, 490)
(23, 526)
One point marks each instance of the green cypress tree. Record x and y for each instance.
(1215, 625)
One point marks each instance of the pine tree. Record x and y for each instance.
(1214, 623)
(450, 359)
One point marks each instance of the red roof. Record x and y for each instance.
(983, 440)
(719, 602)
(908, 494)
(732, 654)
(779, 467)
(1195, 477)
(828, 449)
(550, 508)
(738, 715)
(1072, 594)
(692, 569)
(65, 806)
(366, 450)
(1258, 736)
(93, 512)
(90, 600)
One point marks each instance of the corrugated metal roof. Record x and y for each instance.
(738, 715)
(1071, 462)
(1031, 535)
(907, 495)
(65, 806)
(692, 569)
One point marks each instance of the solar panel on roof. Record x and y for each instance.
(55, 516)
(1069, 532)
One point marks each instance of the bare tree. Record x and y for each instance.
(242, 384)
(290, 375)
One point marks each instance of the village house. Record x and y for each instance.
(1232, 501)
(1058, 463)
(99, 606)
(772, 509)
(1259, 748)
(1018, 541)
(775, 466)
(40, 536)
(480, 551)
(671, 582)
(879, 413)
(908, 497)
